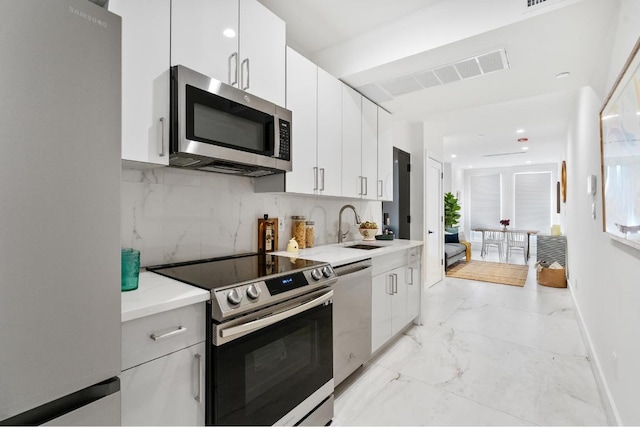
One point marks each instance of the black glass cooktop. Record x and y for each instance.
(215, 273)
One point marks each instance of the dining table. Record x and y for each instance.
(506, 230)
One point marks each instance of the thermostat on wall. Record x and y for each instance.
(591, 185)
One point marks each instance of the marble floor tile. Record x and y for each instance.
(551, 304)
(407, 401)
(535, 385)
(550, 333)
(485, 354)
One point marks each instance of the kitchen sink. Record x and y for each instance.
(361, 246)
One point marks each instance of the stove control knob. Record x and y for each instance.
(253, 292)
(316, 274)
(326, 271)
(234, 297)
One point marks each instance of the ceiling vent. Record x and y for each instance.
(467, 68)
(532, 5)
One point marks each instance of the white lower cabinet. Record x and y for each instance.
(395, 295)
(166, 391)
(163, 362)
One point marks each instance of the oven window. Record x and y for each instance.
(260, 377)
(218, 121)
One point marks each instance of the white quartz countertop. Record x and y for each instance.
(339, 254)
(156, 294)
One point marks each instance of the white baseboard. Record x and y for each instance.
(609, 406)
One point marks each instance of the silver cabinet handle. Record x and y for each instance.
(321, 179)
(245, 61)
(162, 153)
(366, 184)
(175, 332)
(390, 284)
(410, 270)
(315, 178)
(361, 180)
(235, 75)
(198, 396)
(380, 182)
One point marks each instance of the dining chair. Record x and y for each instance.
(517, 240)
(492, 238)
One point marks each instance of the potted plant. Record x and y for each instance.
(451, 212)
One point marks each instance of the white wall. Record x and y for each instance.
(603, 274)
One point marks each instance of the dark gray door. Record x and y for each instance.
(398, 210)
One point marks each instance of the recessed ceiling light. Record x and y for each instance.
(453, 156)
(520, 131)
(229, 32)
(525, 148)
(563, 75)
(528, 161)
(470, 167)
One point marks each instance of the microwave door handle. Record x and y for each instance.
(275, 318)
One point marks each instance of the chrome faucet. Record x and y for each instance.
(340, 235)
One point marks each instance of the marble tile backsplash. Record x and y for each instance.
(174, 215)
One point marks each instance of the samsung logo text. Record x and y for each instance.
(88, 17)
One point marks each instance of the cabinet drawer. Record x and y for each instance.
(150, 337)
(384, 263)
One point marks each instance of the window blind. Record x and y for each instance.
(532, 199)
(484, 201)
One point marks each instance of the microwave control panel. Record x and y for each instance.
(285, 140)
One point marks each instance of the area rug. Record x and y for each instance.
(494, 272)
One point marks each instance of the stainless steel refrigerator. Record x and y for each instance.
(59, 213)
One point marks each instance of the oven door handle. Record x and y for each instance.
(270, 320)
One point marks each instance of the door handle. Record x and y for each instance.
(245, 61)
(235, 75)
(380, 182)
(321, 179)
(366, 184)
(162, 153)
(315, 178)
(198, 396)
(360, 178)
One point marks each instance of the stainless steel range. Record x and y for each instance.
(270, 355)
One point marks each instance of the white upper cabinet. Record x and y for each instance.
(262, 48)
(352, 179)
(329, 134)
(369, 150)
(239, 42)
(315, 99)
(384, 187)
(302, 100)
(204, 37)
(145, 79)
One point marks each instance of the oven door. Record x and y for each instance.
(262, 376)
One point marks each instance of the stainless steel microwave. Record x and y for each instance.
(219, 128)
